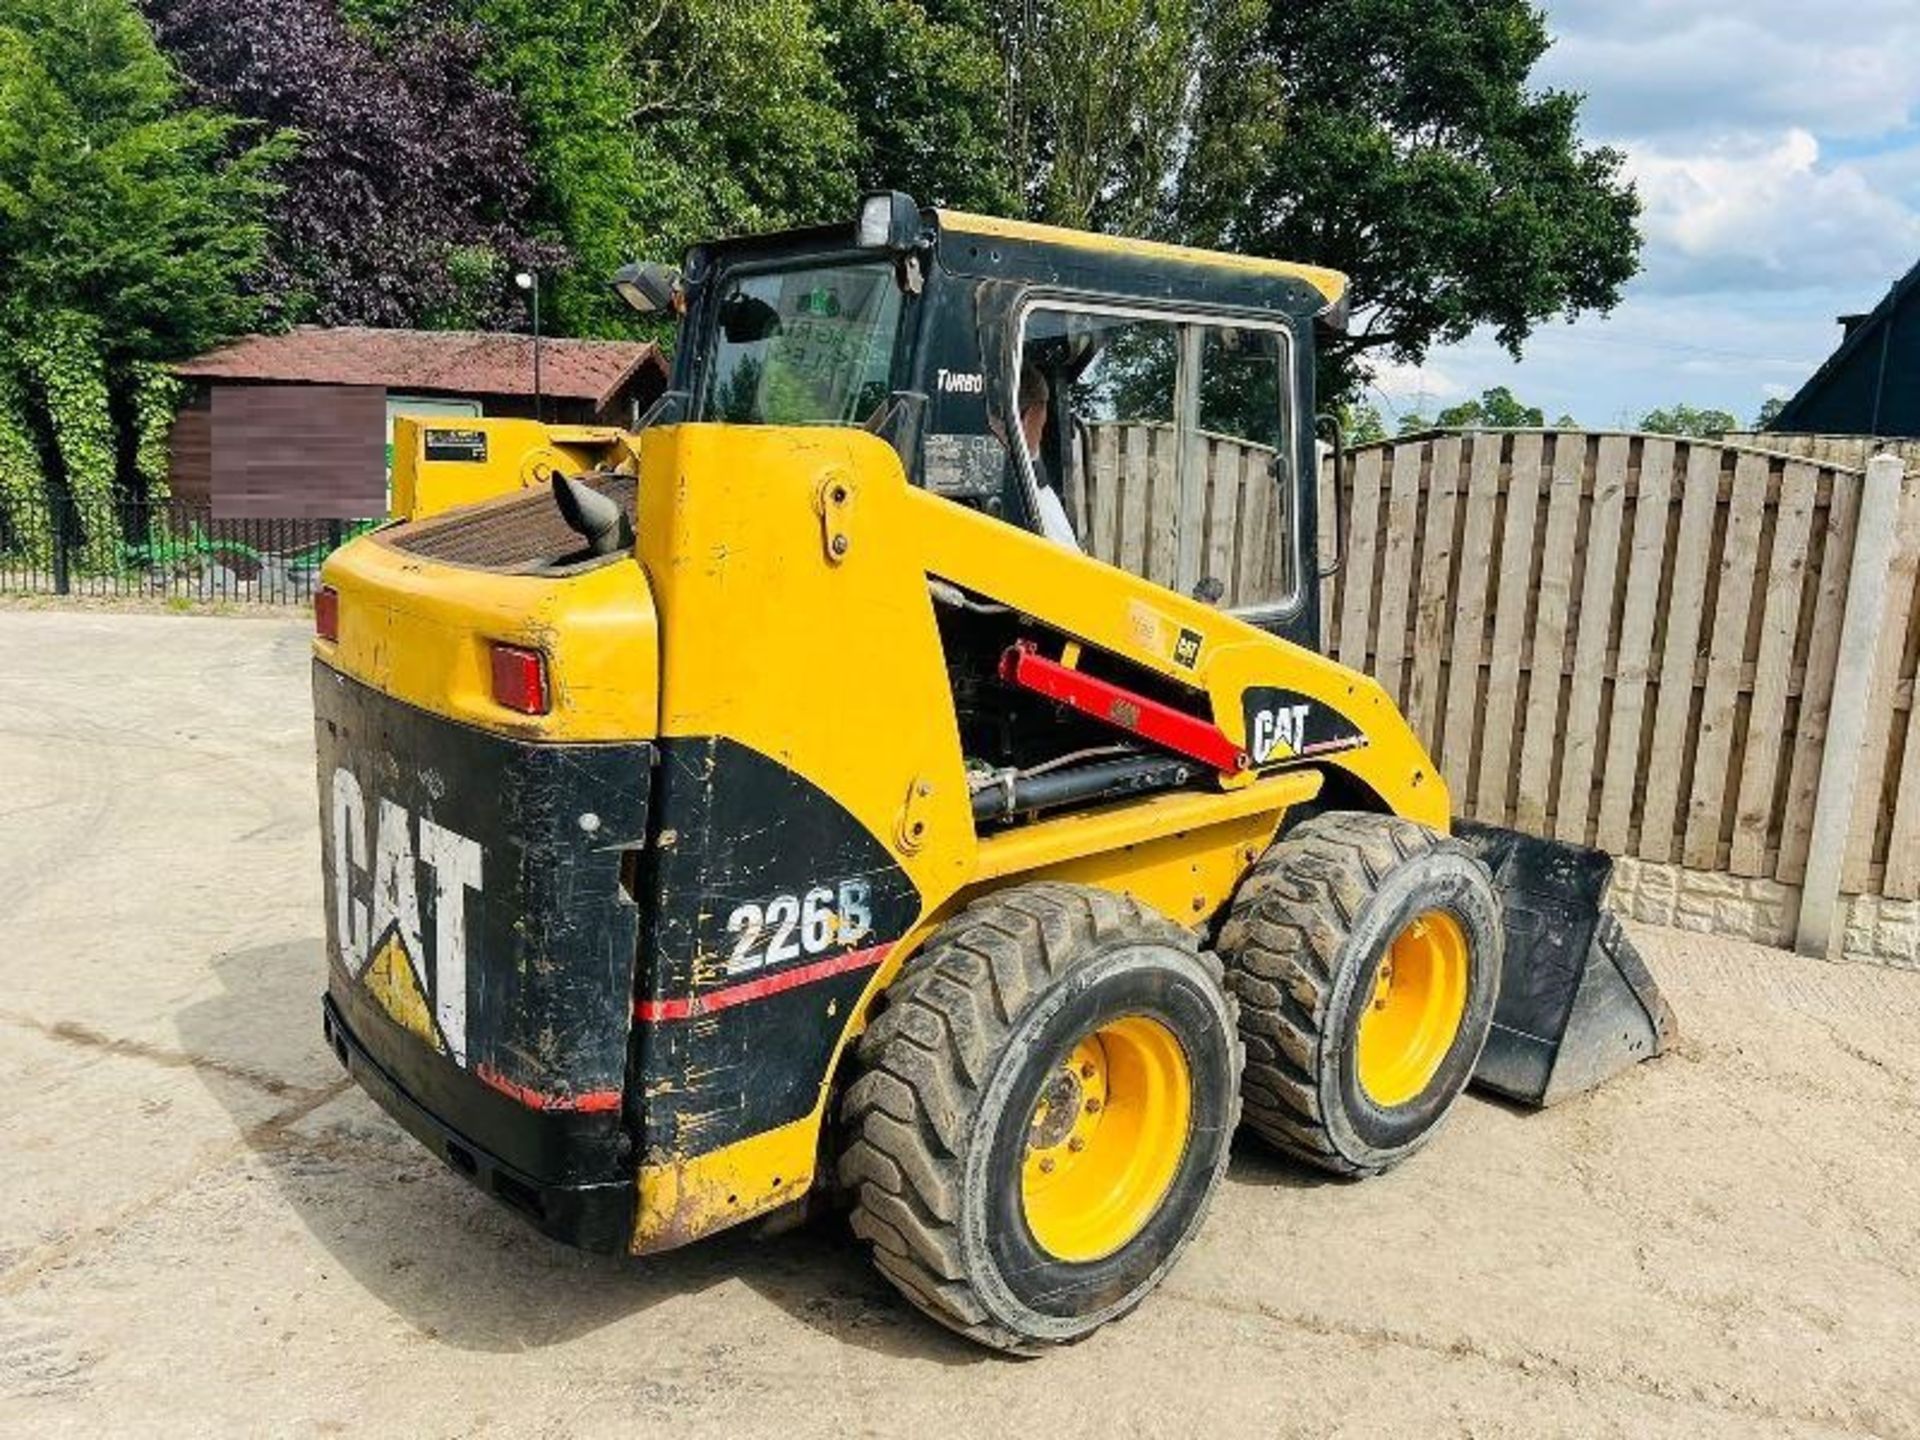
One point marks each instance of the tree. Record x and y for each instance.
(1685, 420)
(1770, 409)
(1104, 97)
(1405, 146)
(409, 202)
(926, 90)
(132, 231)
(1496, 409)
(1364, 425)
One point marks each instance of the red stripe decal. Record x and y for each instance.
(587, 1104)
(685, 1007)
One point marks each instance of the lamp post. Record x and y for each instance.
(530, 282)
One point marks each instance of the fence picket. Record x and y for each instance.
(1396, 572)
(1686, 604)
(1540, 740)
(1433, 612)
(1512, 604)
(1580, 747)
(1359, 581)
(1816, 691)
(1470, 613)
(1726, 655)
(1622, 778)
(1767, 711)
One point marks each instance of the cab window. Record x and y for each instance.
(810, 346)
(1164, 445)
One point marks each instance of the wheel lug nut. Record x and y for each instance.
(1086, 1071)
(1046, 1164)
(1076, 1144)
(1093, 1104)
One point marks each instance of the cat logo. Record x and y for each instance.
(1285, 725)
(377, 926)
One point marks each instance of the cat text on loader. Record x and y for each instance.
(783, 799)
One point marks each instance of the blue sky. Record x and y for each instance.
(1776, 145)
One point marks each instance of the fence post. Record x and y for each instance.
(1873, 543)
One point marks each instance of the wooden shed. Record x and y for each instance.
(299, 424)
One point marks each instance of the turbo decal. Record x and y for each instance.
(1284, 725)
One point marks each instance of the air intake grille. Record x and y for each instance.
(514, 535)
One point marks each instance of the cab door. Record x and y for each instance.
(1172, 442)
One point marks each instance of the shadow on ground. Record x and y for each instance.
(460, 1267)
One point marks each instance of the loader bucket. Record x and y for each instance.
(1577, 1004)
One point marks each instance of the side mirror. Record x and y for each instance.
(1331, 425)
(649, 288)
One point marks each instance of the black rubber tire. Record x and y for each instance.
(1302, 942)
(935, 1123)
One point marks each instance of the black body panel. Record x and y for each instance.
(503, 1022)
(742, 1000)
(541, 1163)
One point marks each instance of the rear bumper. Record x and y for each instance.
(592, 1215)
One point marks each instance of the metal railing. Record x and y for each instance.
(164, 549)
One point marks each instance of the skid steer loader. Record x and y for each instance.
(904, 771)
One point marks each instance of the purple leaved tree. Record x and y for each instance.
(410, 199)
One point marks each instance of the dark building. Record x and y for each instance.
(299, 425)
(1871, 384)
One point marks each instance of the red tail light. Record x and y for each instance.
(326, 612)
(520, 679)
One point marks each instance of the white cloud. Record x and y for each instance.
(1743, 215)
(1414, 387)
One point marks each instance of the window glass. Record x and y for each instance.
(1243, 444)
(1165, 446)
(803, 347)
(1093, 388)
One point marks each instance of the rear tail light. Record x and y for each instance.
(520, 679)
(326, 612)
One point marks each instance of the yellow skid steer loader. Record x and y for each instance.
(904, 770)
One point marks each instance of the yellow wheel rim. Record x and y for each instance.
(1106, 1139)
(1419, 997)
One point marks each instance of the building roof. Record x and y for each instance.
(457, 362)
(1864, 387)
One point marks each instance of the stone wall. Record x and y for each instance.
(1878, 931)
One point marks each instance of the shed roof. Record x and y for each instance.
(459, 362)
(1844, 395)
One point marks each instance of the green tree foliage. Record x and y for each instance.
(129, 225)
(926, 90)
(1364, 425)
(1104, 99)
(1495, 409)
(1770, 409)
(1401, 141)
(1686, 420)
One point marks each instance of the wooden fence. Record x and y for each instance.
(1177, 520)
(1850, 450)
(1632, 641)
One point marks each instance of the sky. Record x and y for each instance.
(1776, 148)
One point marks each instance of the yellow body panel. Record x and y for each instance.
(519, 454)
(420, 632)
(1330, 283)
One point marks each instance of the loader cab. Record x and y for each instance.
(1150, 405)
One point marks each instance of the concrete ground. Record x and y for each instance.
(203, 1230)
